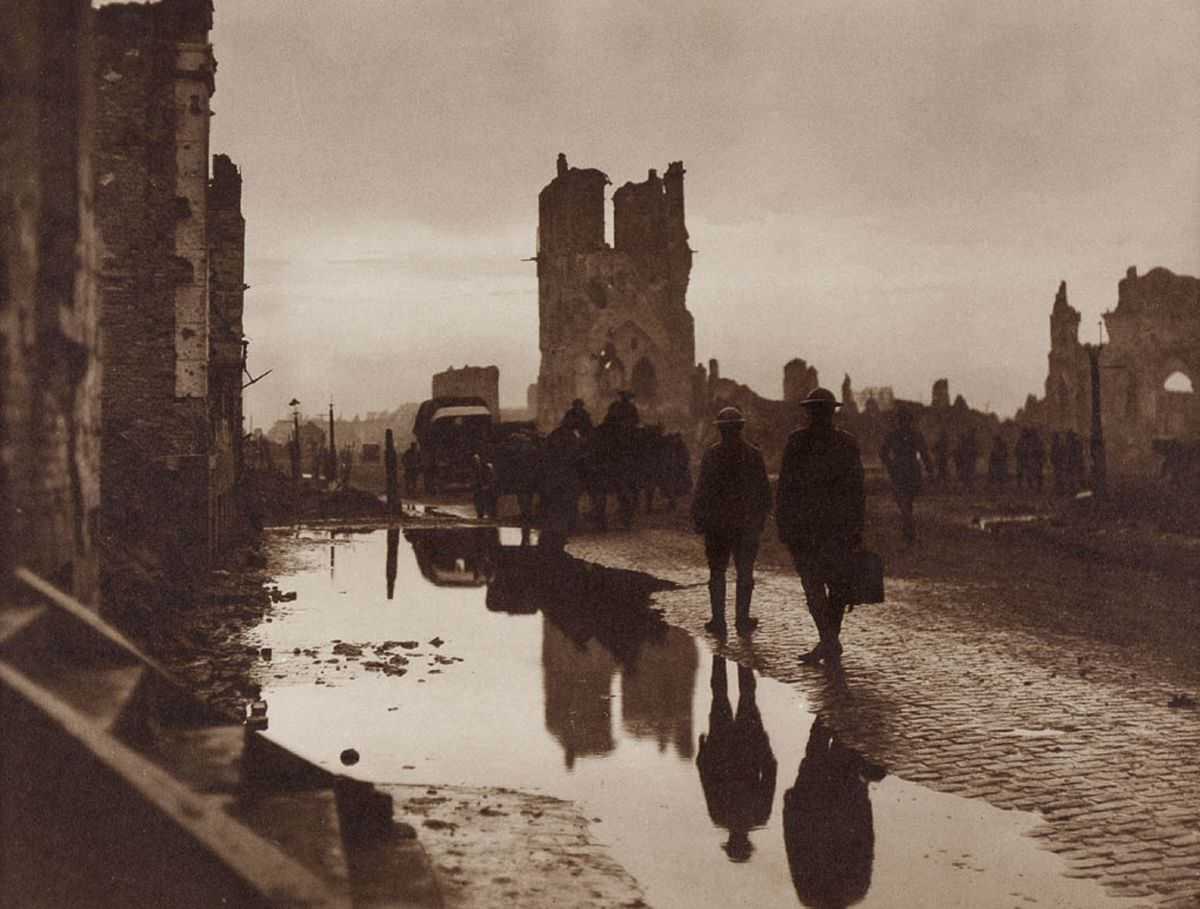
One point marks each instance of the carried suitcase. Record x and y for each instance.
(866, 577)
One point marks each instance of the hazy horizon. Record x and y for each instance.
(892, 191)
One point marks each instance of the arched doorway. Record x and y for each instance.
(645, 380)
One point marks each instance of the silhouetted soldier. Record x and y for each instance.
(998, 463)
(1058, 463)
(1036, 468)
(820, 508)
(941, 458)
(622, 411)
(560, 488)
(1023, 458)
(965, 457)
(1074, 461)
(577, 419)
(904, 454)
(411, 462)
(828, 825)
(737, 766)
(730, 507)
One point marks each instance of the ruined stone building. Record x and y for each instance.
(614, 317)
(49, 373)
(1148, 369)
(470, 381)
(170, 281)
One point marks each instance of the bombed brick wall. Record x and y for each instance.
(480, 381)
(227, 290)
(154, 76)
(613, 318)
(49, 374)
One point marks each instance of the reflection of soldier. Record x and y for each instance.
(623, 412)
(903, 454)
(828, 827)
(411, 462)
(577, 419)
(393, 549)
(737, 766)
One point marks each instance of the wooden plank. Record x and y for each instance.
(267, 870)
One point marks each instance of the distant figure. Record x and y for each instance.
(820, 509)
(622, 411)
(941, 459)
(828, 825)
(1030, 456)
(411, 462)
(560, 489)
(1073, 446)
(904, 454)
(965, 457)
(998, 463)
(577, 419)
(737, 766)
(730, 507)
(1058, 463)
(487, 495)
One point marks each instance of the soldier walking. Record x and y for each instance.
(903, 454)
(411, 462)
(730, 507)
(820, 509)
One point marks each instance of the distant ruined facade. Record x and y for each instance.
(470, 381)
(1148, 369)
(614, 317)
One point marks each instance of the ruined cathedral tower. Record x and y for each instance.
(614, 317)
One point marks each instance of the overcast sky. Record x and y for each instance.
(890, 189)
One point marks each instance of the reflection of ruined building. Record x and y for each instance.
(614, 317)
(656, 692)
(171, 281)
(49, 393)
(1148, 374)
(577, 683)
(470, 381)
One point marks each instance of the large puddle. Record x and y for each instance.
(445, 657)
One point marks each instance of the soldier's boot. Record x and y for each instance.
(744, 623)
(817, 653)
(716, 598)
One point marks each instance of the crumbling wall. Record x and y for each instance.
(614, 318)
(798, 380)
(1154, 334)
(226, 229)
(477, 381)
(154, 76)
(49, 374)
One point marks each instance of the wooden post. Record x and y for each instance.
(393, 480)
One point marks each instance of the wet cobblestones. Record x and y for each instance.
(937, 685)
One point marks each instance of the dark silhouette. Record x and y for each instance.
(577, 419)
(1058, 463)
(737, 766)
(904, 454)
(393, 547)
(411, 462)
(998, 463)
(657, 685)
(1030, 454)
(828, 826)
(730, 507)
(820, 509)
(1073, 462)
(941, 459)
(965, 456)
(623, 411)
(560, 488)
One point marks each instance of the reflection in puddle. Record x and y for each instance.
(573, 687)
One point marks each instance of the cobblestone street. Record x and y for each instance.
(986, 686)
